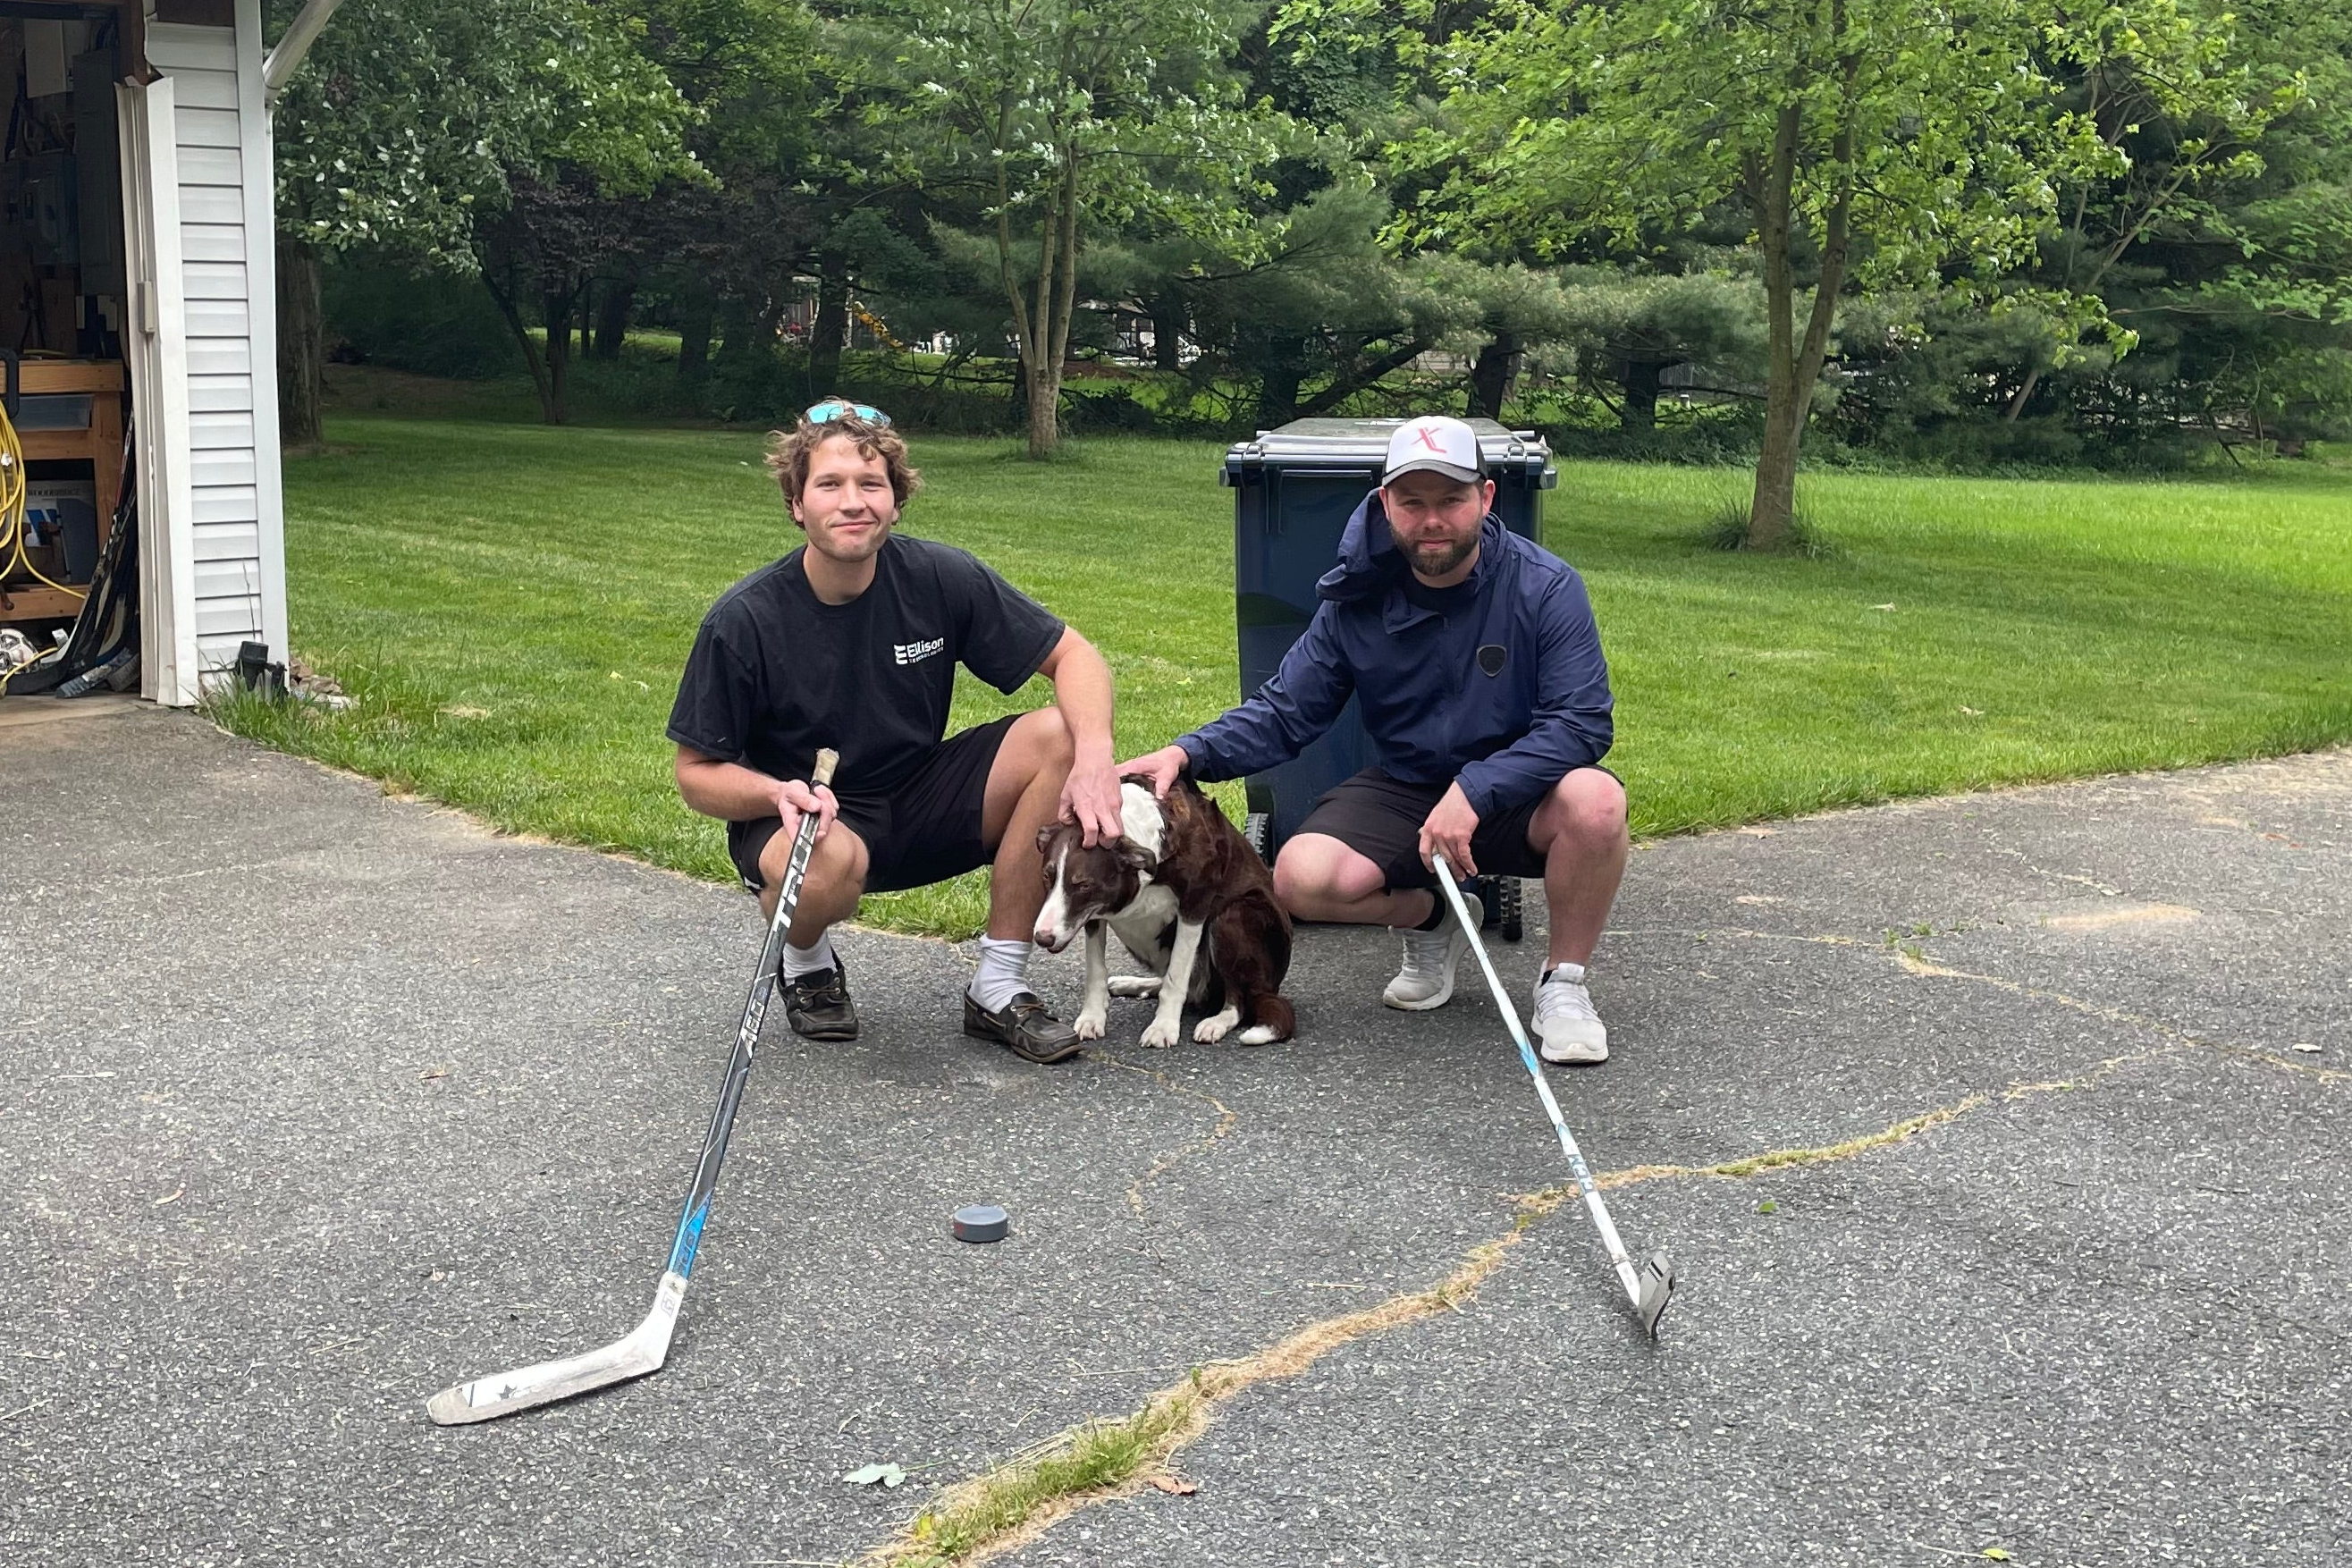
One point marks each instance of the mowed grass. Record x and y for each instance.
(511, 605)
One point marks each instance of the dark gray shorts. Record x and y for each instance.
(1379, 818)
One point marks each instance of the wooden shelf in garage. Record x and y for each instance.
(36, 603)
(100, 443)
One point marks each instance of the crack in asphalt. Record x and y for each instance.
(1175, 1417)
(1226, 1121)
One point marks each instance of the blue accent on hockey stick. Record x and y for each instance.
(689, 1236)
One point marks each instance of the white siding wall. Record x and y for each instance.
(222, 134)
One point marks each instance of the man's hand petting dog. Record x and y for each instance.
(1162, 768)
(1090, 799)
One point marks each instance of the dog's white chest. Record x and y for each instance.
(1143, 924)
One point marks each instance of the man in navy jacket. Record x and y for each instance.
(1473, 659)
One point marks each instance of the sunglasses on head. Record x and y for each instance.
(833, 408)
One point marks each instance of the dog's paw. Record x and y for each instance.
(1212, 1029)
(1135, 986)
(1160, 1033)
(1088, 1023)
(1256, 1035)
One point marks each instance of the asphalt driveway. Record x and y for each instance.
(312, 1102)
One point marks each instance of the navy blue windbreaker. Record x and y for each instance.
(1434, 712)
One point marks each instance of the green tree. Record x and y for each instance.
(753, 71)
(405, 127)
(1058, 118)
(2265, 286)
(1314, 310)
(1630, 328)
(2179, 97)
(1871, 143)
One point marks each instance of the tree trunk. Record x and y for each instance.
(301, 346)
(1358, 376)
(1285, 367)
(2017, 403)
(1041, 326)
(694, 338)
(532, 359)
(735, 329)
(1490, 377)
(554, 390)
(1795, 368)
(1771, 512)
(1640, 415)
(1045, 411)
(1168, 315)
(613, 320)
(831, 327)
(1055, 306)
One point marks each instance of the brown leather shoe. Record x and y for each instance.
(1023, 1024)
(817, 1005)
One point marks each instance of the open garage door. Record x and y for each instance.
(155, 344)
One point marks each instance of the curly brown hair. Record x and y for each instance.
(790, 452)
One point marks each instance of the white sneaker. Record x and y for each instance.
(1567, 1027)
(1425, 979)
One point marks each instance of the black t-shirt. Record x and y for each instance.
(776, 672)
(1444, 601)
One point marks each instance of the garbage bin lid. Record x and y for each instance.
(1361, 445)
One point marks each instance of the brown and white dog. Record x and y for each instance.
(1179, 878)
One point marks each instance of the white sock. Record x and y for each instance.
(1003, 972)
(800, 961)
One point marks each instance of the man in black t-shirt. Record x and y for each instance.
(851, 642)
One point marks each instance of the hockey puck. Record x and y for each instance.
(980, 1222)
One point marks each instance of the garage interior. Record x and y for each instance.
(67, 502)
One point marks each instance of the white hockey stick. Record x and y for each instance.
(1649, 1288)
(503, 1394)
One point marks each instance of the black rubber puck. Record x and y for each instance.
(982, 1222)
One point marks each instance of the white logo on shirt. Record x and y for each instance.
(916, 652)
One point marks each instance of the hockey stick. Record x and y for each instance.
(503, 1394)
(1651, 1287)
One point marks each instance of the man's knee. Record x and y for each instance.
(1042, 737)
(838, 860)
(1313, 869)
(1588, 808)
(1293, 878)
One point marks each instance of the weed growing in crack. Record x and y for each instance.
(1095, 1458)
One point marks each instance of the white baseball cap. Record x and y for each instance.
(1437, 445)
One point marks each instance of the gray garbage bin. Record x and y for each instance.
(1292, 491)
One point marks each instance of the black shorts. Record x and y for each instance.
(925, 831)
(1379, 818)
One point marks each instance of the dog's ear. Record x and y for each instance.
(1045, 835)
(1136, 854)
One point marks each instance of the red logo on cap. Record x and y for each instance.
(1428, 434)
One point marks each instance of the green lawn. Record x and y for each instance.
(511, 605)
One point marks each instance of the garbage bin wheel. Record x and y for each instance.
(1490, 900)
(1513, 921)
(1256, 827)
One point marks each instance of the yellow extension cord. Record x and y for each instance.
(14, 531)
